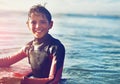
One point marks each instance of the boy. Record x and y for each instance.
(45, 53)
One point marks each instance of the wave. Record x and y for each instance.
(76, 15)
(68, 14)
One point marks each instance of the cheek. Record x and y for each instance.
(31, 27)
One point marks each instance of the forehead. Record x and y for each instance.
(37, 15)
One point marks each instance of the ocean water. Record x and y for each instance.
(92, 43)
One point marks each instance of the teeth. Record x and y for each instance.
(38, 30)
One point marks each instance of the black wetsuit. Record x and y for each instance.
(40, 53)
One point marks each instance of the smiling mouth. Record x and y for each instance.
(38, 30)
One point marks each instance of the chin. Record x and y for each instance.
(36, 36)
(39, 35)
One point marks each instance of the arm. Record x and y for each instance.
(57, 77)
(7, 61)
(42, 80)
(54, 76)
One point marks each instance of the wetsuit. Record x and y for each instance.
(40, 53)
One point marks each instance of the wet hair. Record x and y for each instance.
(40, 9)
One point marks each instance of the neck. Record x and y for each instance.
(40, 40)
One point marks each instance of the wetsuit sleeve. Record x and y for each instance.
(57, 64)
(9, 60)
(50, 80)
(60, 55)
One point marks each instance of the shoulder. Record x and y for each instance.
(57, 46)
(27, 46)
(56, 42)
(29, 43)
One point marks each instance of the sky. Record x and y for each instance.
(63, 6)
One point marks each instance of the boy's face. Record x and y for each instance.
(39, 25)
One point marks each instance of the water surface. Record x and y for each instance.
(92, 43)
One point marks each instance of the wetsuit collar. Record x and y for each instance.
(43, 39)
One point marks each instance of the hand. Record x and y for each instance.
(9, 80)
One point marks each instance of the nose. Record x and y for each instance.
(38, 25)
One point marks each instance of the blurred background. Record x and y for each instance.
(89, 29)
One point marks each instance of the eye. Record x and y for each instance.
(43, 22)
(33, 22)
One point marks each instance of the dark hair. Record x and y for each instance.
(40, 9)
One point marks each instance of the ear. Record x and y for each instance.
(50, 24)
(27, 23)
